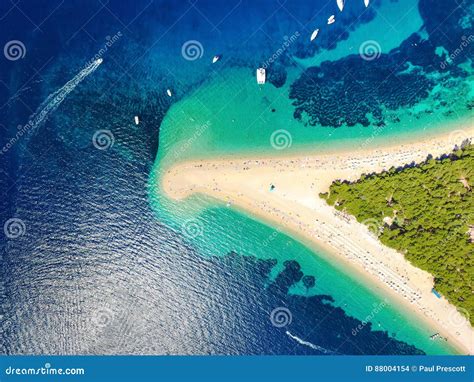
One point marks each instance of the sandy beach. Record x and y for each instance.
(293, 205)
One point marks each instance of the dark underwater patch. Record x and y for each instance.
(352, 90)
(313, 317)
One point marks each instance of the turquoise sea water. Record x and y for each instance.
(106, 264)
(229, 114)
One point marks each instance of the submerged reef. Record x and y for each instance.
(310, 316)
(354, 90)
(362, 89)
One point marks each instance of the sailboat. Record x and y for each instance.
(340, 4)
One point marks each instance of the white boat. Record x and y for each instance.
(314, 34)
(137, 121)
(168, 91)
(366, 2)
(261, 76)
(331, 19)
(216, 58)
(340, 4)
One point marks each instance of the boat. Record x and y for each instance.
(216, 58)
(137, 121)
(434, 336)
(261, 76)
(331, 19)
(314, 34)
(168, 91)
(366, 2)
(340, 4)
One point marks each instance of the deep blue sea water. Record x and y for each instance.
(95, 271)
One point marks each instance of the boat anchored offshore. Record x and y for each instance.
(261, 76)
(137, 120)
(216, 58)
(331, 19)
(366, 2)
(340, 4)
(314, 34)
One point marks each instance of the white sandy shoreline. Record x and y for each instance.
(295, 206)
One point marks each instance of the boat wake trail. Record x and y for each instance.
(55, 99)
(309, 344)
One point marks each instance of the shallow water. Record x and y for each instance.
(104, 265)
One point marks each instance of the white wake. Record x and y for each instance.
(309, 344)
(55, 99)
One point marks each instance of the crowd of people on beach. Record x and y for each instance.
(323, 224)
